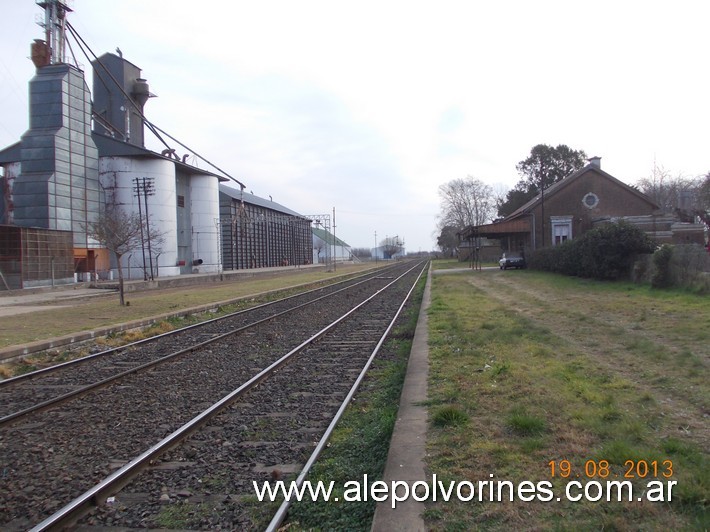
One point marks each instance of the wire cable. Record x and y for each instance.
(81, 41)
(149, 124)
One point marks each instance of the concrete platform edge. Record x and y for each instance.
(405, 460)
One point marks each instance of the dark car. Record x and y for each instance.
(512, 260)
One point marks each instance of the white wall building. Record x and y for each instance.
(327, 246)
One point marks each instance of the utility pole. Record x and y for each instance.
(542, 202)
(136, 190)
(145, 187)
(375, 250)
(148, 190)
(335, 248)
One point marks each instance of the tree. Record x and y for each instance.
(120, 233)
(703, 205)
(687, 197)
(448, 240)
(547, 165)
(318, 246)
(390, 246)
(516, 198)
(362, 253)
(668, 192)
(544, 166)
(465, 202)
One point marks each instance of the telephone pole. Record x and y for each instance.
(144, 186)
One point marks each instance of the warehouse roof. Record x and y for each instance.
(253, 199)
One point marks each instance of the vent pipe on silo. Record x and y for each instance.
(141, 92)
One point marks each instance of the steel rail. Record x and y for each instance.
(74, 510)
(280, 514)
(43, 371)
(60, 399)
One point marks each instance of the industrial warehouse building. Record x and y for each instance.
(78, 156)
(259, 233)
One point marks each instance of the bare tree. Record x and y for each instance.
(671, 193)
(318, 246)
(702, 209)
(120, 233)
(466, 202)
(362, 253)
(391, 246)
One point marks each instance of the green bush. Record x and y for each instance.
(605, 253)
(662, 277)
(690, 266)
(543, 259)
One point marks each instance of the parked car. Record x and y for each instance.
(512, 260)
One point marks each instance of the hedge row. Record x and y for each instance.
(605, 253)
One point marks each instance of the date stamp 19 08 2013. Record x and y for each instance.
(602, 469)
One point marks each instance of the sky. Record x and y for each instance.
(368, 107)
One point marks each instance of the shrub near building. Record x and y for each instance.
(685, 266)
(605, 253)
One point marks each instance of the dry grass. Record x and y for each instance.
(39, 361)
(548, 368)
(89, 314)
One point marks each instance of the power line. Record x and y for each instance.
(81, 42)
(242, 185)
(152, 127)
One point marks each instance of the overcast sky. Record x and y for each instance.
(369, 106)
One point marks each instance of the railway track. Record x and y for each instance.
(294, 374)
(46, 388)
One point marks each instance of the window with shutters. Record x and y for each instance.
(561, 229)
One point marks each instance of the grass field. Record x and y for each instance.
(531, 371)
